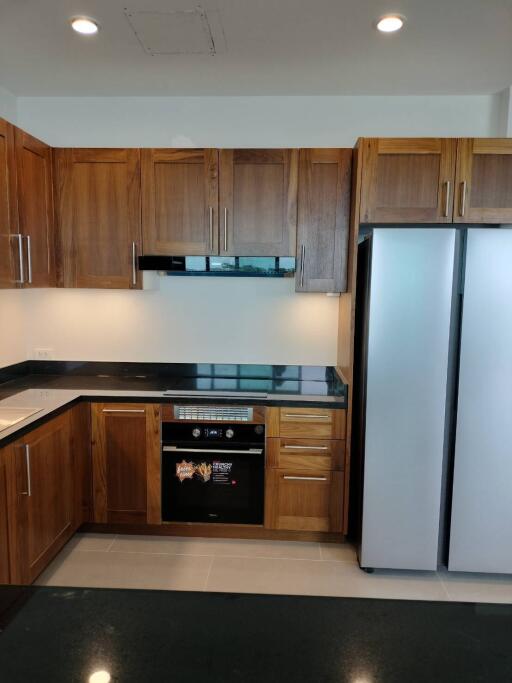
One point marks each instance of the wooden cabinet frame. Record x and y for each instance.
(9, 255)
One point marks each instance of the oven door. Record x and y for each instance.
(224, 485)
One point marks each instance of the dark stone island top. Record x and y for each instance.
(55, 385)
(138, 636)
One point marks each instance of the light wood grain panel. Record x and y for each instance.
(154, 468)
(272, 422)
(258, 202)
(35, 208)
(320, 423)
(407, 180)
(9, 267)
(323, 220)
(98, 210)
(180, 201)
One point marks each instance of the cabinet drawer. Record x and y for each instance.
(304, 500)
(306, 454)
(312, 423)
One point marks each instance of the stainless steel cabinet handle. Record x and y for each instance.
(302, 260)
(211, 228)
(123, 410)
(29, 260)
(306, 448)
(299, 415)
(290, 478)
(19, 237)
(225, 229)
(134, 263)
(177, 449)
(463, 187)
(447, 199)
(28, 492)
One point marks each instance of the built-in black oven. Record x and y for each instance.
(213, 466)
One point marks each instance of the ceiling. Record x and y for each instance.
(263, 47)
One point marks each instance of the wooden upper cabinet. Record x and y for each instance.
(43, 497)
(35, 209)
(180, 201)
(125, 447)
(323, 220)
(483, 188)
(258, 202)
(98, 209)
(407, 180)
(9, 244)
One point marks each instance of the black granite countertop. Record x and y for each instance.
(52, 385)
(52, 634)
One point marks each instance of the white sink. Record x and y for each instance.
(9, 416)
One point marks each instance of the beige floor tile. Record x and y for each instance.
(303, 577)
(127, 570)
(217, 547)
(338, 552)
(92, 541)
(463, 587)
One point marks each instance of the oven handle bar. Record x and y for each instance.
(175, 449)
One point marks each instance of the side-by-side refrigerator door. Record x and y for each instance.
(481, 523)
(410, 313)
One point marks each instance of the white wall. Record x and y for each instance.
(252, 121)
(13, 336)
(202, 319)
(221, 320)
(8, 105)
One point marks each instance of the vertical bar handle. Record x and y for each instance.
(447, 199)
(463, 187)
(302, 260)
(134, 263)
(225, 228)
(211, 228)
(19, 237)
(29, 260)
(28, 492)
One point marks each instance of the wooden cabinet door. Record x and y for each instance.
(125, 441)
(44, 497)
(258, 202)
(4, 534)
(483, 189)
(407, 180)
(180, 201)
(35, 209)
(323, 220)
(303, 500)
(9, 256)
(98, 208)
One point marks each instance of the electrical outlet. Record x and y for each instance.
(43, 354)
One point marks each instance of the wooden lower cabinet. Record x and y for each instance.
(126, 463)
(42, 513)
(304, 500)
(4, 535)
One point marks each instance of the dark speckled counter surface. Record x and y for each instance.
(54, 385)
(52, 634)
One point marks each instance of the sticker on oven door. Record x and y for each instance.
(222, 472)
(204, 472)
(185, 470)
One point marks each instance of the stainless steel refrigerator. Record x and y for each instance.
(432, 424)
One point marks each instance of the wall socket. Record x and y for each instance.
(43, 354)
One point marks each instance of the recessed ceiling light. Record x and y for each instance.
(390, 23)
(84, 25)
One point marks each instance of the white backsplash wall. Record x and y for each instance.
(187, 319)
(12, 326)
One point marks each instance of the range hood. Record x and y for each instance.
(231, 266)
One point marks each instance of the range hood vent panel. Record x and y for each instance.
(220, 266)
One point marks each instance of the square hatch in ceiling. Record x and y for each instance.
(180, 32)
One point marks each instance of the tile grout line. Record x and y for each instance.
(112, 543)
(209, 572)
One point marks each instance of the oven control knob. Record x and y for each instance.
(196, 433)
(230, 433)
